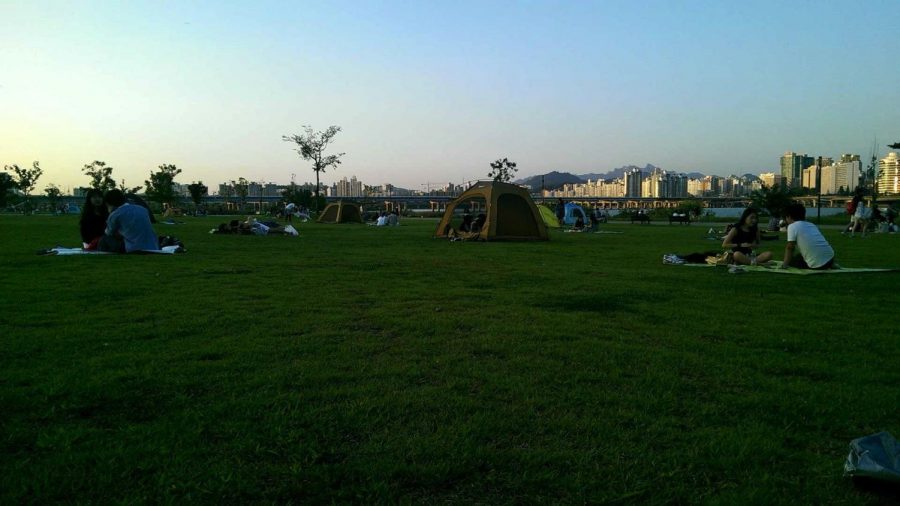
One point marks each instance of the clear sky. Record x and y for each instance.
(430, 91)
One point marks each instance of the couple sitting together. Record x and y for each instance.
(109, 223)
(806, 246)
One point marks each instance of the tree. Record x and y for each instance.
(6, 185)
(502, 170)
(100, 174)
(126, 190)
(241, 188)
(25, 179)
(160, 186)
(311, 147)
(198, 191)
(693, 207)
(226, 191)
(773, 199)
(53, 195)
(301, 197)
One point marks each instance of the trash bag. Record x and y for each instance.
(876, 456)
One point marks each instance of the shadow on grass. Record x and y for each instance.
(599, 303)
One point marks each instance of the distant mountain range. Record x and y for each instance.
(556, 179)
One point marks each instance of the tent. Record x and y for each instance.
(548, 216)
(573, 211)
(340, 212)
(510, 214)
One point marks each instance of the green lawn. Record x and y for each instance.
(363, 364)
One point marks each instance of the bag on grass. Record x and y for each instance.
(724, 258)
(876, 456)
(169, 240)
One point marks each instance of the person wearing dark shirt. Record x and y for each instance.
(93, 219)
(744, 237)
(128, 227)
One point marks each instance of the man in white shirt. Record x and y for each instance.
(806, 247)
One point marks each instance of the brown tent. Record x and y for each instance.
(510, 214)
(340, 212)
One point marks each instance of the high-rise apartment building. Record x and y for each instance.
(633, 179)
(889, 175)
(809, 178)
(770, 179)
(792, 166)
(351, 188)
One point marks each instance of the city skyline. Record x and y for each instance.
(433, 93)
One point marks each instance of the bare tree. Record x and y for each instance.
(311, 147)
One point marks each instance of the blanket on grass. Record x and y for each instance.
(59, 251)
(774, 268)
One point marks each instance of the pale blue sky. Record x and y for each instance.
(434, 91)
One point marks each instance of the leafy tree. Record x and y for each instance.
(53, 195)
(692, 207)
(126, 190)
(25, 179)
(6, 185)
(311, 147)
(301, 197)
(241, 188)
(198, 191)
(773, 199)
(502, 170)
(160, 186)
(100, 174)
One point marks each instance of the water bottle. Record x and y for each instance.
(753, 257)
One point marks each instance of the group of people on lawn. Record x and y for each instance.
(110, 223)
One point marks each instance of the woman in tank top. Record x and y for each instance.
(743, 238)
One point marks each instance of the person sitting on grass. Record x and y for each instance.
(128, 227)
(466, 225)
(806, 246)
(744, 237)
(93, 219)
(392, 219)
(579, 224)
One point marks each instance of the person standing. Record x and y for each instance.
(560, 211)
(128, 226)
(860, 217)
(806, 247)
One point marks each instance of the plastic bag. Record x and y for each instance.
(875, 456)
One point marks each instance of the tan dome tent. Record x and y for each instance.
(340, 212)
(510, 214)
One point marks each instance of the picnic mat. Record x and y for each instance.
(773, 267)
(59, 251)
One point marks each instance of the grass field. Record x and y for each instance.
(373, 365)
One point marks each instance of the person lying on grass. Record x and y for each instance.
(257, 227)
(806, 247)
(128, 227)
(744, 237)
